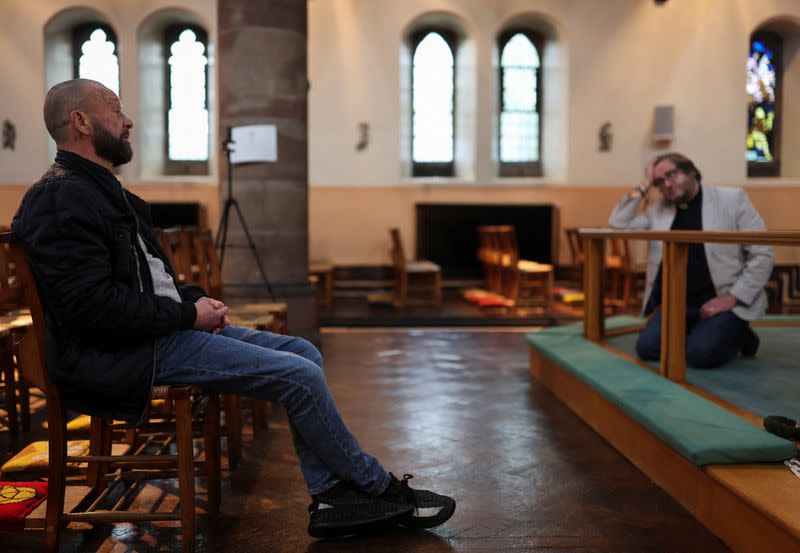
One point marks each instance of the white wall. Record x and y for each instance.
(620, 59)
(22, 73)
(611, 60)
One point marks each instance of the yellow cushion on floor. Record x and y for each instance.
(36, 456)
(81, 423)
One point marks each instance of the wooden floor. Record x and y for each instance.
(457, 409)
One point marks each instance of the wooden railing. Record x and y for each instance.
(675, 254)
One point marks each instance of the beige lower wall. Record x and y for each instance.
(350, 225)
(11, 195)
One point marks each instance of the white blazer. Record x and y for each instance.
(740, 270)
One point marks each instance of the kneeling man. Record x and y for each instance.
(724, 282)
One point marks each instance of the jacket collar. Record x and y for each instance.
(98, 174)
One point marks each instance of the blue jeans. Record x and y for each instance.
(286, 369)
(710, 342)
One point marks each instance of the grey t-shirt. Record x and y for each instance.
(163, 285)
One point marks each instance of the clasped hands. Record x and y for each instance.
(212, 315)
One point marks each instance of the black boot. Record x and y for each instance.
(751, 343)
(430, 509)
(344, 510)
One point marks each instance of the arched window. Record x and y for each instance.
(763, 88)
(433, 103)
(187, 95)
(519, 121)
(94, 54)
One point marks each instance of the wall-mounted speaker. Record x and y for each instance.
(663, 123)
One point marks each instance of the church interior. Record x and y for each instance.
(422, 189)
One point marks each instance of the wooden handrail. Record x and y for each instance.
(767, 237)
(674, 258)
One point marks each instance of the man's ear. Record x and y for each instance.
(80, 122)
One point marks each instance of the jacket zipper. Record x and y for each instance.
(141, 290)
(133, 246)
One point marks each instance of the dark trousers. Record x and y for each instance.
(710, 342)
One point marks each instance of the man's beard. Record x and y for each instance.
(110, 147)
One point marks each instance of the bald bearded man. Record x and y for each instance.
(119, 322)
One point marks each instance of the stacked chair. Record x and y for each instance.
(95, 497)
(509, 280)
(192, 254)
(622, 276)
(13, 322)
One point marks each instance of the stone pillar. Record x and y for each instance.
(262, 79)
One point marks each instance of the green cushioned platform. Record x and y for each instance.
(701, 431)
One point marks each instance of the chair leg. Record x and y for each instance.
(56, 479)
(627, 280)
(233, 429)
(183, 442)
(259, 409)
(24, 406)
(99, 444)
(211, 446)
(437, 289)
(7, 362)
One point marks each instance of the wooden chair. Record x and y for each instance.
(490, 256)
(13, 321)
(270, 316)
(176, 243)
(72, 503)
(621, 274)
(203, 257)
(324, 273)
(416, 275)
(576, 253)
(524, 281)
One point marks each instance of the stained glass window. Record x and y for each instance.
(95, 55)
(519, 118)
(763, 99)
(187, 117)
(433, 95)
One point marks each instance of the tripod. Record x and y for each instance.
(222, 230)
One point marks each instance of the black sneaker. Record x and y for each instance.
(751, 343)
(344, 510)
(430, 509)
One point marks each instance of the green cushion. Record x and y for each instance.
(701, 431)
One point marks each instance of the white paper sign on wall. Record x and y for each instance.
(254, 143)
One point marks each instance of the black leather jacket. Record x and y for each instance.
(79, 228)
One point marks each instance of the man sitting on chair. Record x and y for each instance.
(118, 322)
(724, 282)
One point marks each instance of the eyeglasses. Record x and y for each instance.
(669, 175)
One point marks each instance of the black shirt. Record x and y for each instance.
(699, 286)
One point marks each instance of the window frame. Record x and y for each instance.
(81, 33)
(519, 168)
(774, 41)
(433, 168)
(174, 166)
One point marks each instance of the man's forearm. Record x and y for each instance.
(626, 215)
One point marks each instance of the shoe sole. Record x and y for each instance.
(340, 529)
(410, 521)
